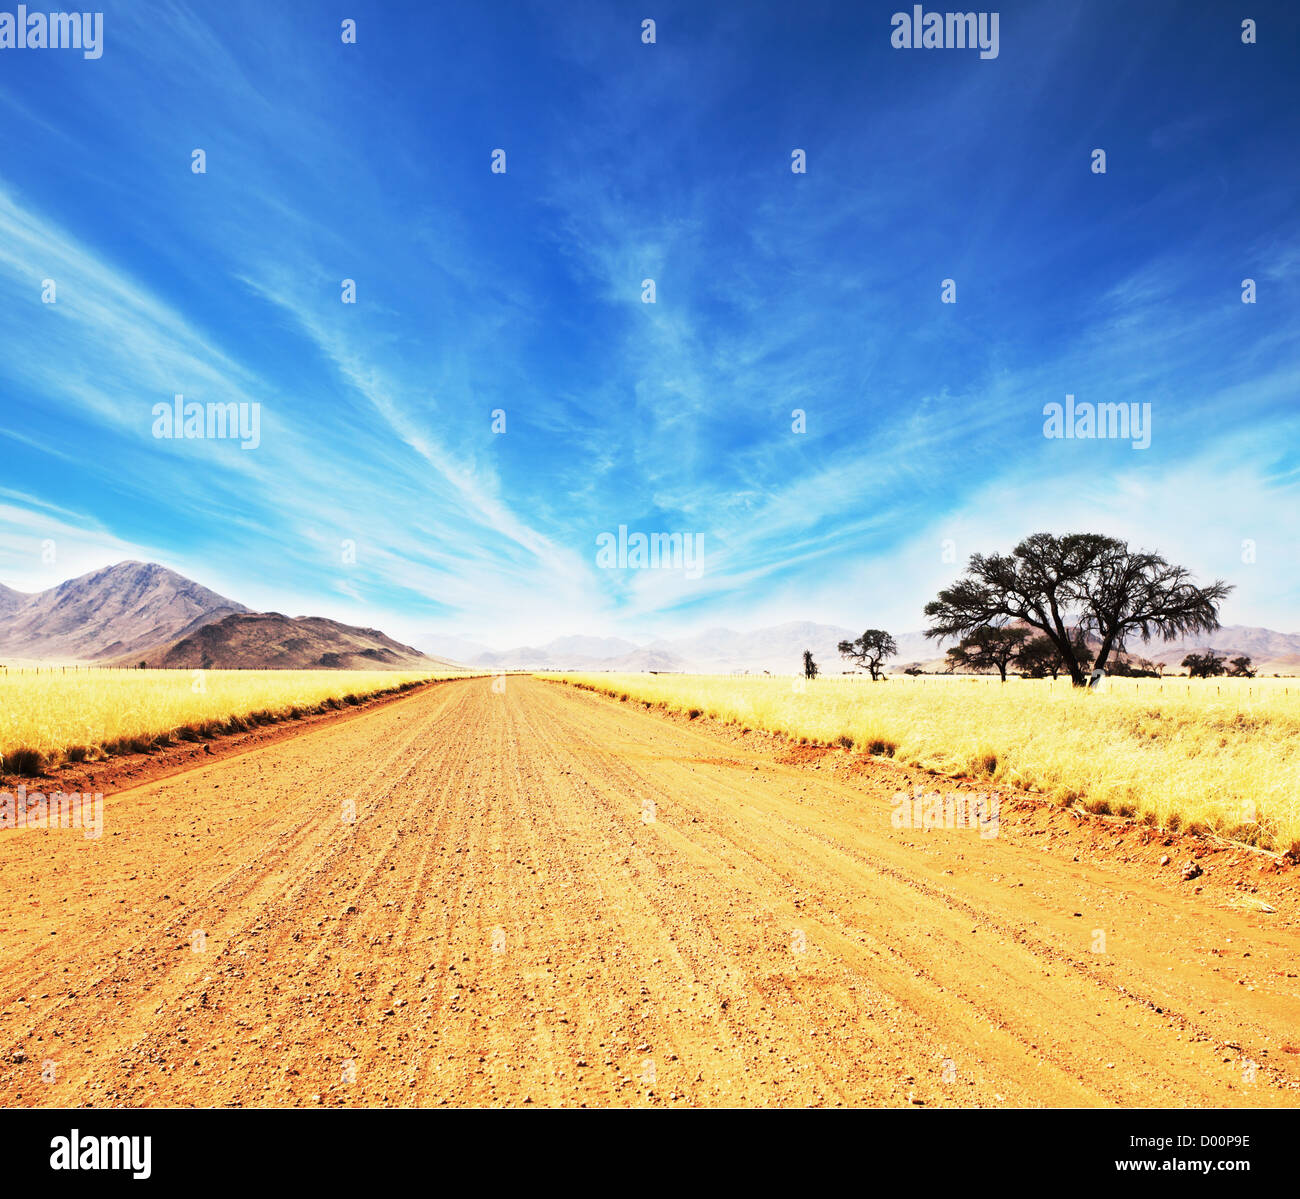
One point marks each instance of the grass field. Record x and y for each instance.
(1223, 755)
(51, 716)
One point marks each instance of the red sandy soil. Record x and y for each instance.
(551, 897)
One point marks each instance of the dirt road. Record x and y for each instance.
(549, 897)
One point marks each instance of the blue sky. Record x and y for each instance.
(522, 291)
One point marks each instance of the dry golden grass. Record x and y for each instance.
(51, 716)
(1222, 754)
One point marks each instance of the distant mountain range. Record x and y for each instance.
(778, 649)
(142, 612)
(1271, 652)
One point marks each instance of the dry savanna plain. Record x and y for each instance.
(56, 714)
(643, 890)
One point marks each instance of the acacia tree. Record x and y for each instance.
(809, 666)
(1242, 668)
(988, 648)
(870, 650)
(1079, 649)
(1084, 584)
(1038, 657)
(1140, 594)
(1208, 665)
(1136, 668)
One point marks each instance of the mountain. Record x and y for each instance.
(270, 641)
(778, 649)
(575, 652)
(543, 657)
(140, 611)
(592, 647)
(1270, 652)
(10, 599)
(917, 647)
(445, 645)
(107, 613)
(641, 660)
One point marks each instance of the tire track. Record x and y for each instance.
(508, 920)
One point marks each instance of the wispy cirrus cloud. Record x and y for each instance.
(522, 292)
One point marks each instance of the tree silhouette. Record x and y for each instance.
(988, 648)
(1039, 657)
(870, 650)
(1205, 666)
(1086, 582)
